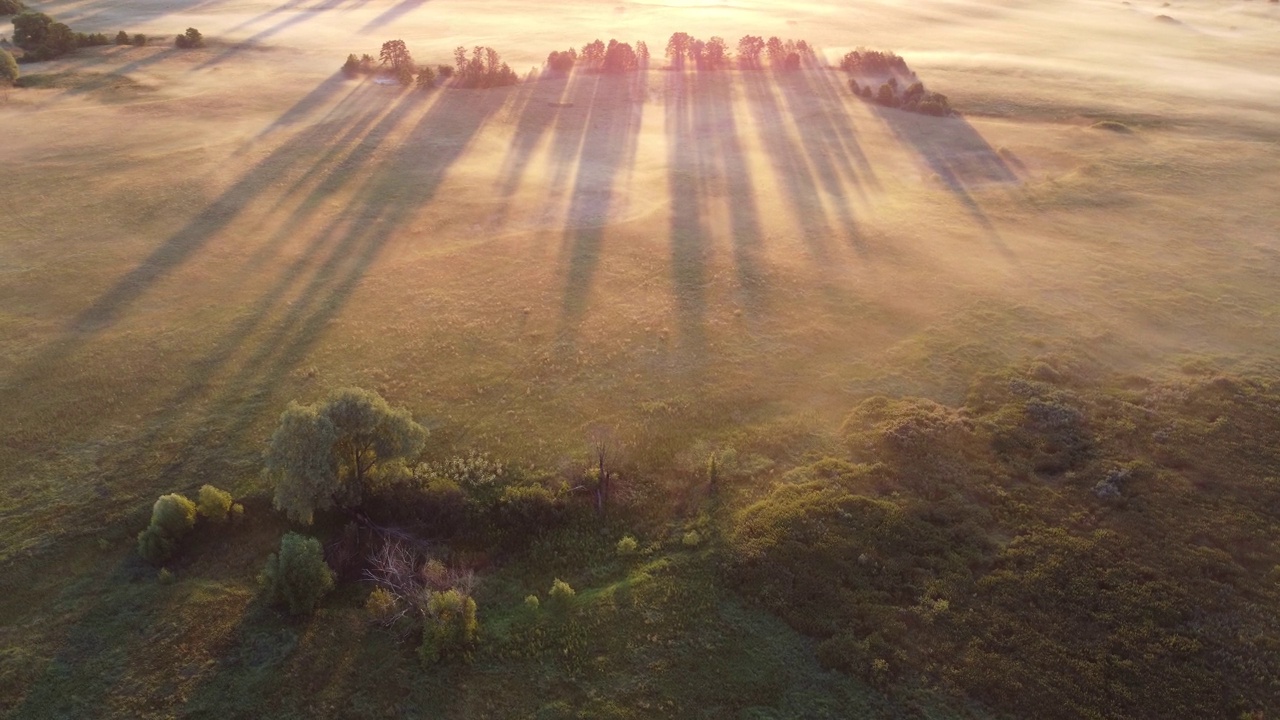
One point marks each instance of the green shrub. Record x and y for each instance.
(382, 606)
(297, 577)
(165, 577)
(9, 72)
(174, 515)
(450, 629)
(527, 510)
(561, 596)
(154, 546)
(531, 603)
(691, 539)
(214, 504)
(627, 546)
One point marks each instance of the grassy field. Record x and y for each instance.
(194, 238)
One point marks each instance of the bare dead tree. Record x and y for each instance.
(605, 447)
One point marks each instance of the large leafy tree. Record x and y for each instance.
(30, 30)
(324, 455)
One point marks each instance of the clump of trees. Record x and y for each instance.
(614, 58)
(297, 576)
(174, 515)
(714, 54)
(11, 7)
(562, 61)
(898, 86)
(327, 454)
(41, 38)
(484, 69)
(396, 59)
(123, 38)
(358, 65)
(912, 99)
(189, 40)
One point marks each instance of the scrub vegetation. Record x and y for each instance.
(750, 379)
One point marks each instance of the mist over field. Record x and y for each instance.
(742, 274)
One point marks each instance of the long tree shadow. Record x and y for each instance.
(688, 232)
(608, 148)
(338, 257)
(186, 242)
(395, 12)
(958, 155)
(538, 104)
(787, 159)
(823, 145)
(726, 175)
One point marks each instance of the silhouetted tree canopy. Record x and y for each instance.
(189, 39)
(749, 49)
(562, 62)
(484, 69)
(619, 58)
(11, 7)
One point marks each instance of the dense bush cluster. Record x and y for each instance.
(484, 69)
(189, 40)
(174, 515)
(887, 81)
(1043, 530)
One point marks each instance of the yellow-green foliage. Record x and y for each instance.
(9, 72)
(382, 606)
(214, 504)
(561, 595)
(1044, 531)
(450, 629)
(297, 577)
(172, 517)
(627, 546)
(324, 454)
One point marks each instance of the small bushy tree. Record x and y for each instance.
(122, 38)
(450, 629)
(9, 72)
(562, 62)
(297, 576)
(426, 78)
(214, 504)
(139, 40)
(561, 596)
(172, 517)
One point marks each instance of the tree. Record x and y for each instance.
(749, 49)
(717, 53)
(11, 7)
(776, 50)
(30, 29)
(351, 67)
(697, 51)
(642, 53)
(122, 38)
(593, 54)
(604, 448)
(619, 58)
(297, 576)
(426, 78)
(395, 56)
(324, 455)
(139, 40)
(9, 73)
(172, 517)
(562, 62)
(678, 48)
